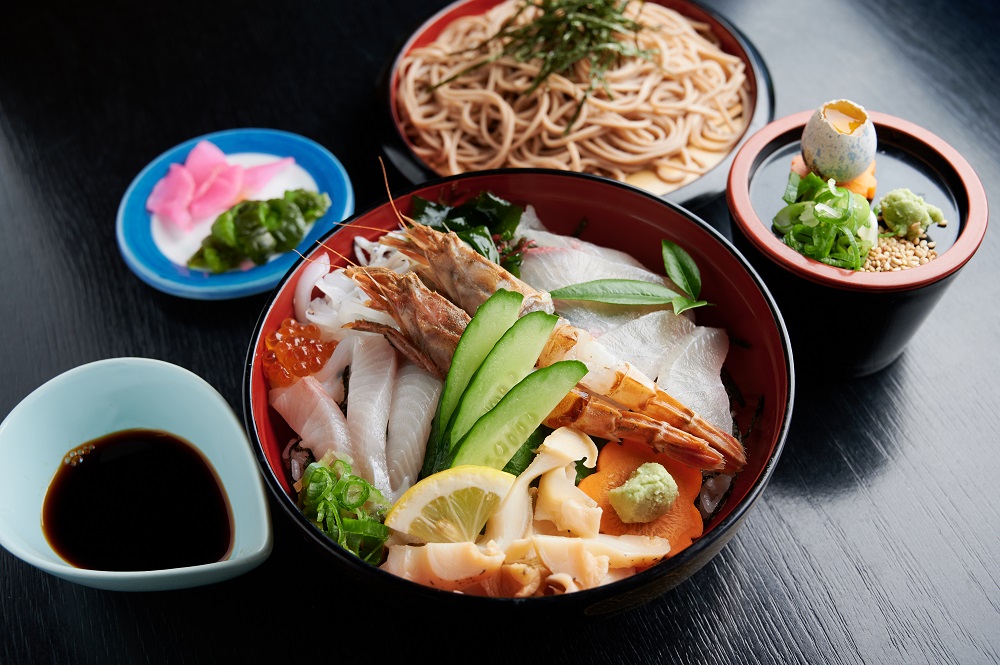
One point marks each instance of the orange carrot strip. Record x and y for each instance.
(615, 463)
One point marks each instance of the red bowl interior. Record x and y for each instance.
(962, 180)
(432, 28)
(616, 216)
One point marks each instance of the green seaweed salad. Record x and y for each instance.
(257, 230)
(827, 223)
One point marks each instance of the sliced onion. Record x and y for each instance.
(313, 272)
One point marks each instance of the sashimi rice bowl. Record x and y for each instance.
(520, 386)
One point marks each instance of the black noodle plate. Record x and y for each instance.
(693, 195)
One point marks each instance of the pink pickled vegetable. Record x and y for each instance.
(218, 194)
(255, 177)
(206, 185)
(205, 161)
(172, 195)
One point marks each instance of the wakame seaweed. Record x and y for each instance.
(487, 223)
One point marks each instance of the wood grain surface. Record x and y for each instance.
(877, 539)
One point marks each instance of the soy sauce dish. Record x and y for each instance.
(131, 474)
(619, 219)
(899, 283)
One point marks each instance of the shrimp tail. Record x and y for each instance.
(623, 384)
(665, 407)
(603, 419)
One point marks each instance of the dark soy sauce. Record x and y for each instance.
(137, 499)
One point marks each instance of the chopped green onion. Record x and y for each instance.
(824, 222)
(345, 507)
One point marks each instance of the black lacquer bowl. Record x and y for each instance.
(619, 216)
(863, 320)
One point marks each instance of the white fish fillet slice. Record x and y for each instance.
(314, 416)
(414, 399)
(369, 397)
(551, 267)
(646, 340)
(331, 376)
(543, 238)
(691, 372)
(548, 268)
(683, 358)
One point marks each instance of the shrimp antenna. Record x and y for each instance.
(364, 269)
(347, 222)
(329, 249)
(388, 191)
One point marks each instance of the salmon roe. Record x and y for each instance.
(294, 351)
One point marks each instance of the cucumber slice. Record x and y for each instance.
(491, 321)
(512, 359)
(498, 313)
(496, 436)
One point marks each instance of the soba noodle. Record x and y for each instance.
(667, 120)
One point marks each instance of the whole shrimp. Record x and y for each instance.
(430, 326)
(468, 278)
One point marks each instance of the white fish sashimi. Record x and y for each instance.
(691, 372)
(646, 340)
(331, 375)
(369, 397)
(314, 416)
(551, 267)
(544, 239)
(414, 400)
(683, 358)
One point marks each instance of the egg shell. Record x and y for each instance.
(832, 153)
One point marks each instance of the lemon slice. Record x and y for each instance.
(450, 506)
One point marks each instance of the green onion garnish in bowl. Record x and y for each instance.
(825, 222)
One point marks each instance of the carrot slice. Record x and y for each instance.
(615, 463)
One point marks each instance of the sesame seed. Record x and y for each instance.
(892, 253)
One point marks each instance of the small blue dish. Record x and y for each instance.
(144, 253)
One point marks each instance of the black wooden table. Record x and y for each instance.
(876, 540)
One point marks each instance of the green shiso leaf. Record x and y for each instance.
(681, 268)
(627, 292)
